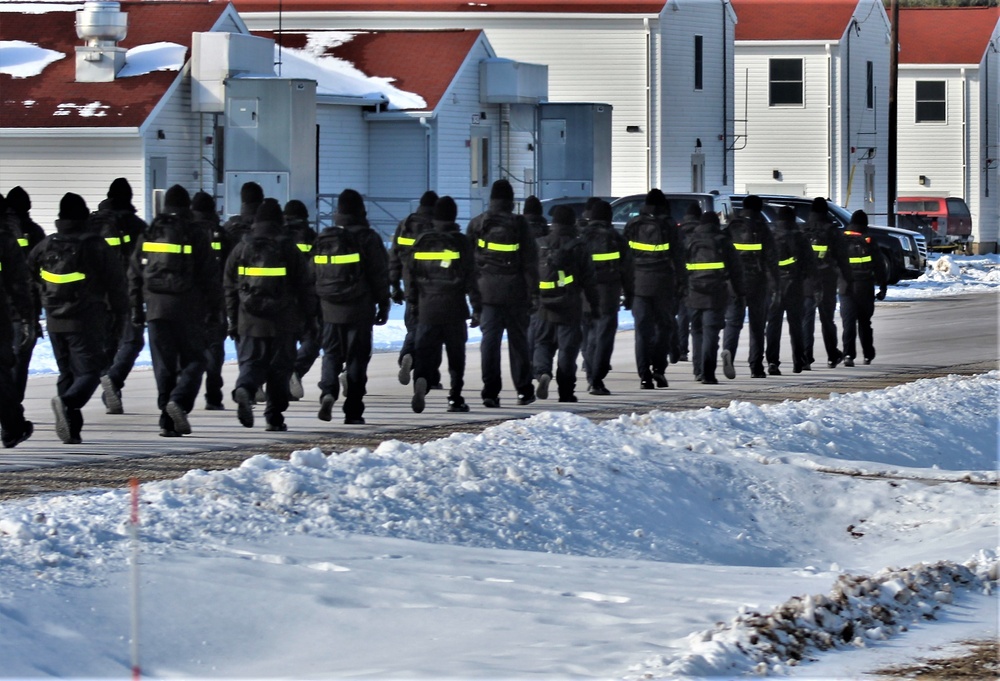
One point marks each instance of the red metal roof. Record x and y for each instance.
(32, 102)
(945, 35)
(422, 62)
(792, 19)
(562, 6)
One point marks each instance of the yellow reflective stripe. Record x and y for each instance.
(405, 241)
(262, 271)
(600, 257)
(305, 248)
(337, 259)
(749, 247)
(22, 242)
(437, 255)
(156, 247)
(126, 238)
(652, 248)
(563, 281)
(820, 250)
(786, 262)
(858, 261)
(507, 248)
(68, 278)
(706, 265)
(216, 245)
(113, 240)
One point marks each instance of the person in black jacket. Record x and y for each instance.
(15, 302)
(27, 234)
(238, 225)
(351, 269)
(713, 270)
(175, 289)
(532, 212)
(689, 223)
(82, 282)
(440, 278)
(857, 295)
(206, 217)
(300, 230)
(658, 266)
(795, 265)
(565, 278)
(820, 289)
(612, 261)
(507, 276)
(269, 293)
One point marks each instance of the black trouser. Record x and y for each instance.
(11, 410)
(598, 343)
(346, 347)
(493, 321)
(706, 325)
(22, 357)
(178, 352)
(856, 310)
(823, 300)
(267, 361)
(566, 339)
(655, 332)
(215, 357)
(428, 340)
(80, 358)
(123, 354)
(754, 308)
(683, 329)
(410, 322)
(308, 351)
(791, 307)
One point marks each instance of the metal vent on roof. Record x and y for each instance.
(101, 25)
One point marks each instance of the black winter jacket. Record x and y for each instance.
(583, 285)
(796, 261)
(516, 289)
(375, 263)
(754, 244)
(659, 274)
(824, 239)
(401, 248)
(434, 305)
(730, 275)
(613, 276)
(15, 285)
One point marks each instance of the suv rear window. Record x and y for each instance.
(923, 206)
(958, 208)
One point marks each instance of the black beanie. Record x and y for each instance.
(819, 205)
(710, 217)
(564, 215)
(859, 219)
(786, 213)
(177, 199)
(18, 200)
(693, 210)
(532, 206)
(120, 190)
(753, 202)
(73, 207)
(251, 192)
(445, 209)
(296, 209)
(203, 202)
(269, 211)
(350, 203)
(502, 191)
(600, 210)
(656, 198)
(428, 199)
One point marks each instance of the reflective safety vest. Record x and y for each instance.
(158, 247)
(859, 260)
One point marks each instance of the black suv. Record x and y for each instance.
(903, 251)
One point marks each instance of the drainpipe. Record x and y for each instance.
(829, 125)
(649, 105)
(725, 99)
(966, 183)
(427, 147)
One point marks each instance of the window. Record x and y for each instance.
(870, 85)
(785, 80)
(699, 62)
(930, 101)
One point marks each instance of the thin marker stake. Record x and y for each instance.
(134, 532)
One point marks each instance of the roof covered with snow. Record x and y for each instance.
(793, 19)
(38, 87)
(945, 35)
(487, 6)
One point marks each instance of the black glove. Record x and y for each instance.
(233, 331)
(396, 294)
(39, 333)
(28, 337)
(382, 314)
(881, 294)
(626, 302)
(138, 317)
(474, 321)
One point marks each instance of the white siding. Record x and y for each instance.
(396, 171)
(343, 149)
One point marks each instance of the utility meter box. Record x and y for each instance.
(574, 151)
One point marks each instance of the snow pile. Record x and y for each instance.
(949, 275)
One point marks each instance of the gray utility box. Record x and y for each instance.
(270, 138)
(574, 151)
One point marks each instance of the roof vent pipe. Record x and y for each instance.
(101, 25)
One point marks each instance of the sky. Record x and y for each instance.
(649, 546)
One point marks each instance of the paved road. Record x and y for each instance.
(913, 339)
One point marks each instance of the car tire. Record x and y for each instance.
(892, 272)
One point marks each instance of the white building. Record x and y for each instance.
(949, 111)
(812, 82)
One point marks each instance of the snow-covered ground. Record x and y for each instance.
(820, 539)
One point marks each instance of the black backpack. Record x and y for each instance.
(262, 272)
(167, 256)
(498, 244)
(339, 271)
(107, 224)
(649, 239)
(705, 263)
(818, 236)
(786, 244)
(414, 225)
(748, 242)
(437, 264)
(605, 251)
(64, 273)
(858, 255)
(556, 273)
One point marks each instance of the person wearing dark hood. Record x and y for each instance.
(565, 278)
(612, 262)
(238, 225)
(689, 223)
(269, 292)
(820, 289)
(507, 276)
(27, 234)
(754, 243)
(82, 282)
(532, 212)
(351, 269)
(441, 279)
(713, 269)
(176, 291)
(857, 295)
(16, 303)
(300, 230)
(400, 256)
(117, 222)
(795, 264)
(206, 218)
(659, 275)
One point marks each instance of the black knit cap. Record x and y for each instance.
(203, 202)
(350, 203)
(600, 211)
(120, 190)
(786, 213)
(296, 209)
(177, 199)
(753, 202)
(532, 206)
(710, 217)
(428, 199)
(502, 191)
(656, 198)
(819, 205)
(564, 215)
(859, 219)
(269, 211)
(251, 192)
(73, 207)
(693, 210)
(445, 209)
(18, 200)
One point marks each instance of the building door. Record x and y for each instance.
(479, 171)
(698, 172)
(157, 182)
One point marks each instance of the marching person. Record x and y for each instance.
(820, 288)
(298, 227)
(238, 225)
(689, 223)
(507, 277)
(27, 234)
(268, 293)
(532, 212)
(16, 302)
(351, 270)
(206, 217)
(440, 279)
(857, 295)
(176, 291)
(82, 282)
(795, 265)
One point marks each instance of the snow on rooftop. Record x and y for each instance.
(21, 59)
(153, 57)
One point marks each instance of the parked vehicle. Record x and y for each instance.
(945, 221)
(904, 251)
(577, 203)
(627, 207)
